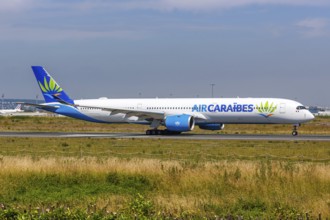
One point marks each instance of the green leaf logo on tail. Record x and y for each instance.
(266, 109)
(50, 87)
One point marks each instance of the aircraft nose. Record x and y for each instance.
(309, 116)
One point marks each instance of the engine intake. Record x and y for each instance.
(180, 123)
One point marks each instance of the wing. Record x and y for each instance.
(141, 113)
(158, 115)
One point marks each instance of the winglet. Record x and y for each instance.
(51, 91)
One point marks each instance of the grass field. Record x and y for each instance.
(320, 126)
(124, 178)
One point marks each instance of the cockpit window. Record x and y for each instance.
(300, 107)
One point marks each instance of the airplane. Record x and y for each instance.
(11, 111)
(177, 115)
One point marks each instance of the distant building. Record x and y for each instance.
(12, 103)
(319, 111)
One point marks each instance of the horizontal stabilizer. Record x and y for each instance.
(44, 106)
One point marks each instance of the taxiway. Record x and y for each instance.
(181, 136)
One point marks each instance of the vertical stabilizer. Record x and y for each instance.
(51, 91)
(18, 107)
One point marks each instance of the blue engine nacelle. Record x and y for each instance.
(212, 127)
(179, 123)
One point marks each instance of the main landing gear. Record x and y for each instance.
(295, 129)
(161, 132)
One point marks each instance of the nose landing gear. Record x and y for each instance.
(295, 129)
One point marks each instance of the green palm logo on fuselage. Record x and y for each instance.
(266, 109)
(50, 86)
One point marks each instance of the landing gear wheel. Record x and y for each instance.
(154, 132)
(161, 132)
(295, 129)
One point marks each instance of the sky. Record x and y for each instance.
(168, 48)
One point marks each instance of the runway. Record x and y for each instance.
(251, 137)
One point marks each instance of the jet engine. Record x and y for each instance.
(180, 123)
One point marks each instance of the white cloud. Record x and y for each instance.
(188, 5)
(57, 34)
(161, 5)
(225, 4)
(15, 5)
(313, 23)
(314, 27)
(33, 18)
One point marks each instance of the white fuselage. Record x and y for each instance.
(9, 111)
(204, 110)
